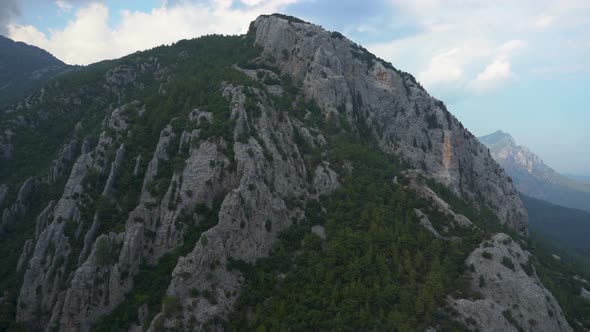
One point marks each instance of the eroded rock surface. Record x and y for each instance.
(513, 298)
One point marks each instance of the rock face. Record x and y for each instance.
(532, 176)
(251, 215)
(513, 297)
(62, 164)
(352, 86)
(17, 210)
(254, 171)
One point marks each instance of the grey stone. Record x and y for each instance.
(512, 296)
(319, 230)
(64, 162)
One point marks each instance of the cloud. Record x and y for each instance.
(9, 9)
(475, 47)
(89, 38)
(443, 68)
(495, 74)
(63, 6)
(544, 21)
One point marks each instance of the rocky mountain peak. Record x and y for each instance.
(356, 89)
(505, 150)
(498, 138)
(532, 176)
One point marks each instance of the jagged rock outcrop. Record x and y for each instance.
(64, 162)
(58, 226)
(18, 209)
(513, 298)
(272, 172)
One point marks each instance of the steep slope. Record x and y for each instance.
(533, 177)
(355, 88)
(565, 230)
(24, 68)
(169, 177)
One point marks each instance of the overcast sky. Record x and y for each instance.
(520, 66)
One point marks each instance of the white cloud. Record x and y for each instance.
(494, 75)
(544, 21)
(252, 2)
(443, 68)
(89, 37)
(365, 28)
(511, 47)
(63, 5)
(493, 43)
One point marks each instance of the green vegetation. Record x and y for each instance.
(377, 269)
(289, 18)
(558, 277)
(508, 315)
(562, 229)
(506, 261)
(103, 252)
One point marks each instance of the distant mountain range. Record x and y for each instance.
(24, 68)
(533, 177)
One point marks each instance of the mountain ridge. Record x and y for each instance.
(24, 68)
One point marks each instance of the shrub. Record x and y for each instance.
(103, 252)
(178, 164)
(528, 268)
(171, 305)
(482, 281)
(209, 296)
(506, 261)
(336, 35)
(486, 255)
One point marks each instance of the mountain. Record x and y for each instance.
(533, 177)
(285, 179)
(564, 229)
(24, 68)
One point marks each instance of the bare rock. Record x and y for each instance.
(513, 297)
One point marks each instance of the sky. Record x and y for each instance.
(519, 66)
